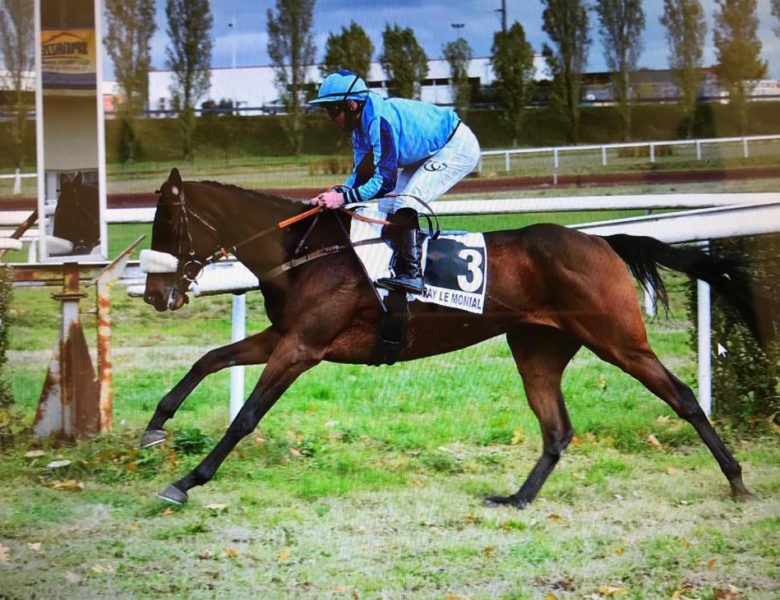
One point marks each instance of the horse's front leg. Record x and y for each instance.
(254, 350)
(290, 358)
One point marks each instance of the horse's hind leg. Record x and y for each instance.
(253, 350)
(646, 367)
(619, 337)
(541, 355)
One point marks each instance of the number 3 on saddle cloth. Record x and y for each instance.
(454, 265)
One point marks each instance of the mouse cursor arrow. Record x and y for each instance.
(722, 352)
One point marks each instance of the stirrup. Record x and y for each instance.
(413, 285)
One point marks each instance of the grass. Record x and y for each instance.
(368, 482)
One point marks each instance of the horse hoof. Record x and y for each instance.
(493, 501)
(152, 437)
(743, 496)
(173, 495)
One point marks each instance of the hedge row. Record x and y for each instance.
(229, 136)
(746, 381)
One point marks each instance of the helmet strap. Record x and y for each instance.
(352, 117)
(354, 81)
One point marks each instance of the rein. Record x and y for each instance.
(222, 251)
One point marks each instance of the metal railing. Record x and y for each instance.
(698, 149)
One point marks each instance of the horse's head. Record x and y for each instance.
(76, 217)
(182, 241)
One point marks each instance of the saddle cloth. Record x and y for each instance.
(454, 264)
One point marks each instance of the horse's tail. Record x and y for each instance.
(727, 277)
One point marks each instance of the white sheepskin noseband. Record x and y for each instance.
(158, 262)
(58, 246)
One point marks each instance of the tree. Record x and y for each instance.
(130, 27)
(458, 55)
(621, 23)
(352, 49)
(686, 31)
(404, 61)
(776, 12)
(291, 48)
(16, 42)
(189, 58)
(566, 23)
(513, 65)
(738, 49)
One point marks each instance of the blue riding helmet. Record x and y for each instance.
(341, 86)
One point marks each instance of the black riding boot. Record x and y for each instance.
(406, 239)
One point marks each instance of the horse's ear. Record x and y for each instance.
(78, 179)
(175, 179)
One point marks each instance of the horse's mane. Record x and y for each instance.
(277, 201)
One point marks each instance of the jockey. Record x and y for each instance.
(430, 146)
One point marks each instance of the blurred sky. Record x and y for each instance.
(432, 24)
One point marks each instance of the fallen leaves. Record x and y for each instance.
(555, 517)
(653, 441)
(732, 593)
(34, 454)
(609, 591)
(58, 464)
(518, 435)
(67, 485)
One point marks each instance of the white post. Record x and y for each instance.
(650, 300)
(238, 332)
(698, 149)
(506, 162)
(745, 148)
(652, 152)
(603, 156)
(705, 348)
(39, 159)
(101, 131)
(555, 166)
(18, 182)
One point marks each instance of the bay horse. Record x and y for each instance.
(76, 217)
(551, 290)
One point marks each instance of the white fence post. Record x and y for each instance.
(238, 332)
(698, 149)
(17, 182)
(652, 152)
(603, 156)
(745, 148)
(506, 161)
(555, 166)
(704, 321)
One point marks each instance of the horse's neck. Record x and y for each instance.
(240, 216)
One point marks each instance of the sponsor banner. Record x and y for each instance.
(69, 59)
(454, 298)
